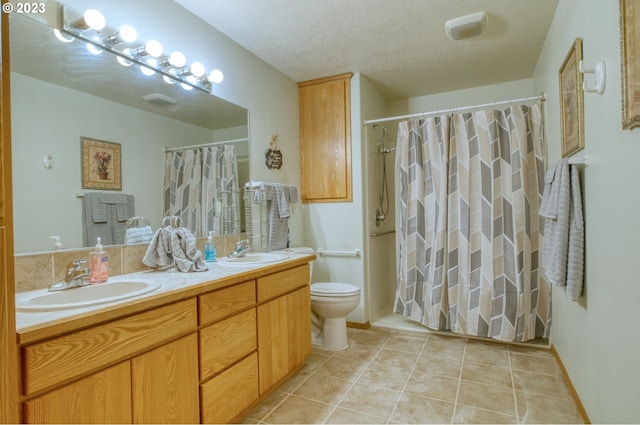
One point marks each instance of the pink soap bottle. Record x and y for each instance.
(98, 264)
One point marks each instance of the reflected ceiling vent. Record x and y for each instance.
(159, 99)
(466, 26)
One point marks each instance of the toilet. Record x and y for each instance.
(330, 304)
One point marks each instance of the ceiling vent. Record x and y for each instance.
(466, 26)
(159, 99)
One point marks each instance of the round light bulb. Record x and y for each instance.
(127, 34)
(197, 69)
(124, 62)
(177, 59)
(94, 19)
(216, 76)
(168, 80)
(148, 70)
(153, 48)
(94, 49)
(60, 36)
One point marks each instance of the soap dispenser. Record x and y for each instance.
(210, 249)
(56, 242)
(98, 264)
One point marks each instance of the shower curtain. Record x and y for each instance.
(469, 233)
(196, 182)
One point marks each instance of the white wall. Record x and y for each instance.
(598, 338)
(45, 199)
(270, 96)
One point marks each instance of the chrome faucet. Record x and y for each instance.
(241, 249)
(74, 277)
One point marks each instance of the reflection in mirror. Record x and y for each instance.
(61, 92)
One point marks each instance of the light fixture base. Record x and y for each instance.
(466, 26)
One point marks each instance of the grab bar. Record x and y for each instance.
(373, 235)
(331, 253)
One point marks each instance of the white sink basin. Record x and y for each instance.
(256, 258)
(84, 296)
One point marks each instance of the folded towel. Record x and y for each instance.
(555, 179)
(280, 200)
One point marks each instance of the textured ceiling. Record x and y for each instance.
(400, 45)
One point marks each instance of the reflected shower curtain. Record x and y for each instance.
(195, 180)
(469, 233)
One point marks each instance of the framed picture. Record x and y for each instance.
(630, 45)
(101, 167)
(571, 101)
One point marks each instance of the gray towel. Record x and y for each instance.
(563, 246)
(105, 215)
(174, 247)
(281, 199)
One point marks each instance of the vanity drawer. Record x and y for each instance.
(226, 342)
(228, 394)
(224, 302)
(283, 282)
(60, 359)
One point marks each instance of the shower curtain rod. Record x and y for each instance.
(541, 97)
(204, 145)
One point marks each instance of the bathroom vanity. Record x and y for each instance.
(204, 348)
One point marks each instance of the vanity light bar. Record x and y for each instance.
(90, 27)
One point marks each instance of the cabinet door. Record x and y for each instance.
(104, 397)
(284, 336)
(165, 383)
(325, 139)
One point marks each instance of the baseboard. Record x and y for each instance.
(358, 325)
(574, 394)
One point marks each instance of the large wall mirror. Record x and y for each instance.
(60, 93)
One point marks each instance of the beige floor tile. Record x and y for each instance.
(373, 337)
(487, 374)
(538, 364)
(371, 399)
(434, 386)
(395, 358)
(487, 397)
(356, 351)
(531, 349)
(534, 408)
(402, 343)
(347, 416)
(267, 405)
(482, 353)
(294, 382)
(384, 375)
(344, 369)
(296, 410)
(314, 361)
(540, 384)
(442, 347)
(437, 365)
(414, 409)
(322, 388)
(473, 415)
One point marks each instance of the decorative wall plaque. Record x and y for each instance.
(273, 154)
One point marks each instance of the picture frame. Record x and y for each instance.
(101, 164)
(572, 101)
(630, 62)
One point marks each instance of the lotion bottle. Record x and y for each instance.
(210, 249)
(98, 264)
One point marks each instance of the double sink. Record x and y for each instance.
(119, 288)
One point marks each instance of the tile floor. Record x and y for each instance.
(393, 377)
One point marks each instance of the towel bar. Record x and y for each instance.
(580, 160)
(331, 253)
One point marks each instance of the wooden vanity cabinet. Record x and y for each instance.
(284, 324)
(228, 352)
(68, 379)
(325, 139)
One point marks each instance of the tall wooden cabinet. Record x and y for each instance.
(325, 139)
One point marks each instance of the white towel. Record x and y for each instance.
(563, 246)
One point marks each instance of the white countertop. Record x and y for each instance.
(170, 281)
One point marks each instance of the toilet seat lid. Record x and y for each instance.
(334, 289)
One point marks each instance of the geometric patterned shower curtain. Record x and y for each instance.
(194, 179)
(470, 186)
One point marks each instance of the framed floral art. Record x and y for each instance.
(101, 164)
(571, 101)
